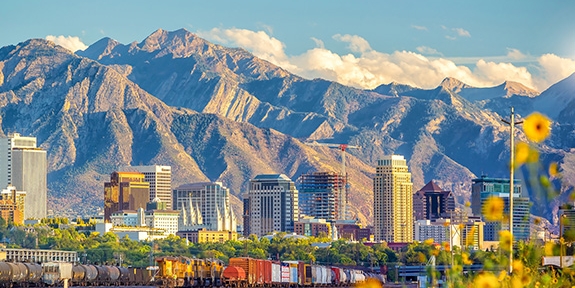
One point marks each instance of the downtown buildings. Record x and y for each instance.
(271, 205)
(393, 200)
(24, 166)
(485, 187)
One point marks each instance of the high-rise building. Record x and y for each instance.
(320, 193)
(24, 165)
(431, 202)
(160, 179)
(485, 187)
(393, 200)
(204, 205)
(273, 204)
(125, 191)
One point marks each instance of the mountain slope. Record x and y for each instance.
(237, 116)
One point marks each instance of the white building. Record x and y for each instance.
(441, 231)
(24, 165)
(272, 205)
(163, 219)
(204, 205)
(160, 179)
(140, 220)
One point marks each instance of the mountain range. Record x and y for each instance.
(221, 114)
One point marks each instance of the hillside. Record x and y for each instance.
(215, 113)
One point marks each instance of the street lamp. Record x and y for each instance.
(512, 124)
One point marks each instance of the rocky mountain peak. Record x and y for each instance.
(101, 48)
(516, 88)
(453, 84)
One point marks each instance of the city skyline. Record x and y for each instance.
(482, 44)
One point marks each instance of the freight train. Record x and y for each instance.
(249, 272)
(171, 272)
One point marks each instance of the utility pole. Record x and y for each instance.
(512, 124)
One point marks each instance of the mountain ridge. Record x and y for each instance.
(207, 113)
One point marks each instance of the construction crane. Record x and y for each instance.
(342, 147)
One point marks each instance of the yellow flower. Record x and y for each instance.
(537, 127)
(465, 258)
(505, 239)
(493, 209)
(517, 267)
(486, 280)
(446, 246)
(428, 241)
(553, 170)
(524, 153)
(549, 248)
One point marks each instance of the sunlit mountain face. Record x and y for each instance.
(221, 114)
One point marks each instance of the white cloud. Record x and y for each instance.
(462, 32)
(318, 42)
(515, 54)
(428, 50)
(417, 27)
(450, 37)
(356, 43)
(71, 43)
(259, 43)
(554, 69)
(368, 68)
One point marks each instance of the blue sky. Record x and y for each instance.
(358, 43)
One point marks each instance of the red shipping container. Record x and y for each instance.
(267, 271)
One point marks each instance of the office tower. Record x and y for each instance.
(432, 202)
(160, 179)
(320, 193)
(273, 201)
(246, 201)
(485, 187)
(204, 205)
(12, 205)
(24, 165)
(125, 191)
(393, 200)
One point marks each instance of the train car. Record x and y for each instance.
(124, 278)
(142, 276)
(276, 274)
(217, 270)
(234, 277)
(248, 265)
(174, 271)
(114, 274)
(53, 273)
(34, 273)
(103, 277)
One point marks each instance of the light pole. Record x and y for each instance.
(512, 124)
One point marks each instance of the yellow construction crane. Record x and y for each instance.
(342, 147)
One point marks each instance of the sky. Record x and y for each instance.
(358, 43)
